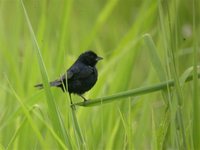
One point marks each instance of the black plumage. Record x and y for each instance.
(81, 76)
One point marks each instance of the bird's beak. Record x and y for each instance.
(99, 58)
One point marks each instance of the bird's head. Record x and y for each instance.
(89, 58)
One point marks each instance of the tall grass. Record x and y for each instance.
(147, 46)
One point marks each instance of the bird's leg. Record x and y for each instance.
(70, 97)
(72, 105)
(83, 97)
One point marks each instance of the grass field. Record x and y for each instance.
(147, 95)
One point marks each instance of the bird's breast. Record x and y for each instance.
(90, 81)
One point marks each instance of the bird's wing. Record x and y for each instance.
(79, 72)
(71, 72)
(85, 72)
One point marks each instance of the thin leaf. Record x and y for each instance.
(130, 93)
(53, 109)
(154, 57)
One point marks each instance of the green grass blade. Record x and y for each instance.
(29, 118)
(154, 136)
(133, 92)
(99, 22)
(154, 57)
(15, 134)
(46, 125)
(173, 42)
(112, 138)
(53, 133)
(53, 109)
(77, 129)
(156, 62)
(196, 102)
(163, 129)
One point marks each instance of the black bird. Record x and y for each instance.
(81, 76)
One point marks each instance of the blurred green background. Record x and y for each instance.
(115, 30)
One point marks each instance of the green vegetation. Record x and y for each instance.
(147, 95)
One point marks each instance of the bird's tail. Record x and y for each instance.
(52, 83)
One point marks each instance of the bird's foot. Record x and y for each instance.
(73, 106)
(83, 98)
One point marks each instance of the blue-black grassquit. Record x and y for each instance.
(81, 76)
